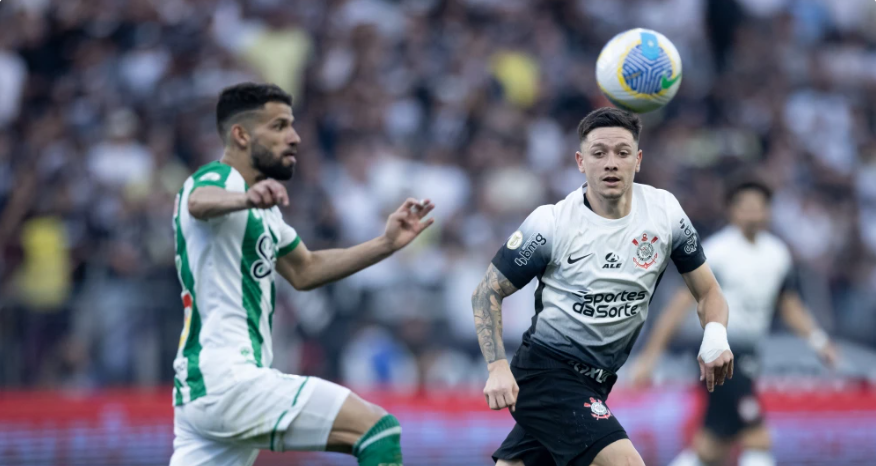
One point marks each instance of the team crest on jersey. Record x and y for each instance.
(598, 409)
(646, 254)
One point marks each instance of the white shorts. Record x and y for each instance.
(264, 410)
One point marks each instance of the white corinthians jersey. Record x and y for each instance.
(226, 269)
(596, 275)
(753, 275)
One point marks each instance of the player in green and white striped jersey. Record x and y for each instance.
(230, 239)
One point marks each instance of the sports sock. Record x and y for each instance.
(381, 445)
(756, 458)
(687, 457)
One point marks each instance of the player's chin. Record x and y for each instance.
(612, 192)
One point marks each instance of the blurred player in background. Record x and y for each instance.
(598, 256)
(230, 239)
(755, 270)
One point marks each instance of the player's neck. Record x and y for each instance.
(241, 163)
(609, 208)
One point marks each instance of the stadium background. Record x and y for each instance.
(106, 106)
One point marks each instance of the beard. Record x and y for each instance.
(268, 164)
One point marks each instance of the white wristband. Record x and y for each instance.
(818, 339)
(714, 342)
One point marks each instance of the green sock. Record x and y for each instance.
(381, 445)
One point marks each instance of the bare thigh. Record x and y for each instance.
(619, 453)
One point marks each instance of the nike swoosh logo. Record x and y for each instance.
(667, 83)
(572, 261)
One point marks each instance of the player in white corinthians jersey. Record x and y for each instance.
(598, 256)
(756, 272)
(230, 240)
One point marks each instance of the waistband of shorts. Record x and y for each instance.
(533, 356)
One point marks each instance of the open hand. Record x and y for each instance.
(406, 223)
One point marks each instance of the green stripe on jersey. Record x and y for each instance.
(255, 264)
(192, 347)
(177, 392)
(212, 174)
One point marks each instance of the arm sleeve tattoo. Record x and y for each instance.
(486, 303)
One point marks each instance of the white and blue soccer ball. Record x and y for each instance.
(639, 70)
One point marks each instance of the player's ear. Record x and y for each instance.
(639, 161)
(579, 158)
(239, 136)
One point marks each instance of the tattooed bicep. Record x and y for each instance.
(498, 283)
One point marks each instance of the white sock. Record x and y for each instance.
(687, 458)
(756, 458)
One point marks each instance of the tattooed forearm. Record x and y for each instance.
(486, 303)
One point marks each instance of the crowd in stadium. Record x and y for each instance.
(106, 107)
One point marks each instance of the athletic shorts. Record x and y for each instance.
(561, 413)
(734, 406)
(264, 410)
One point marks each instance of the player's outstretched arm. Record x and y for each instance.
(796, 316)
(486, 302)
(212, 201)
(307, 270)
(715, 358)
(664, 329)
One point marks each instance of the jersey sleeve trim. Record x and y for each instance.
(289, 248)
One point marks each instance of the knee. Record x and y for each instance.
(373, 414)
(709, 449)
(757, 438)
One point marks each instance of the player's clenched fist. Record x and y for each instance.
(266, 194)
(501, 390)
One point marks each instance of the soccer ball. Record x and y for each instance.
(639, 70)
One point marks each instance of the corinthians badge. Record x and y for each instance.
(646, 255)
(598, 409)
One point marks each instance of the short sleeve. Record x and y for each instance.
(212, 174)
(527, 252)
(687, 249)
(288, 240)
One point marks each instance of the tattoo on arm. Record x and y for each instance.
(486, 303)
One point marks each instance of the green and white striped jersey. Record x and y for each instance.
(226, 268)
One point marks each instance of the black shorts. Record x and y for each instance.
(734, 407)
(561, 414)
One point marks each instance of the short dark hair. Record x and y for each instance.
(608, 117)
(746, 183)
(246, 97)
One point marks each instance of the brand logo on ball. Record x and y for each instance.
(598, 409)
(646, 255)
